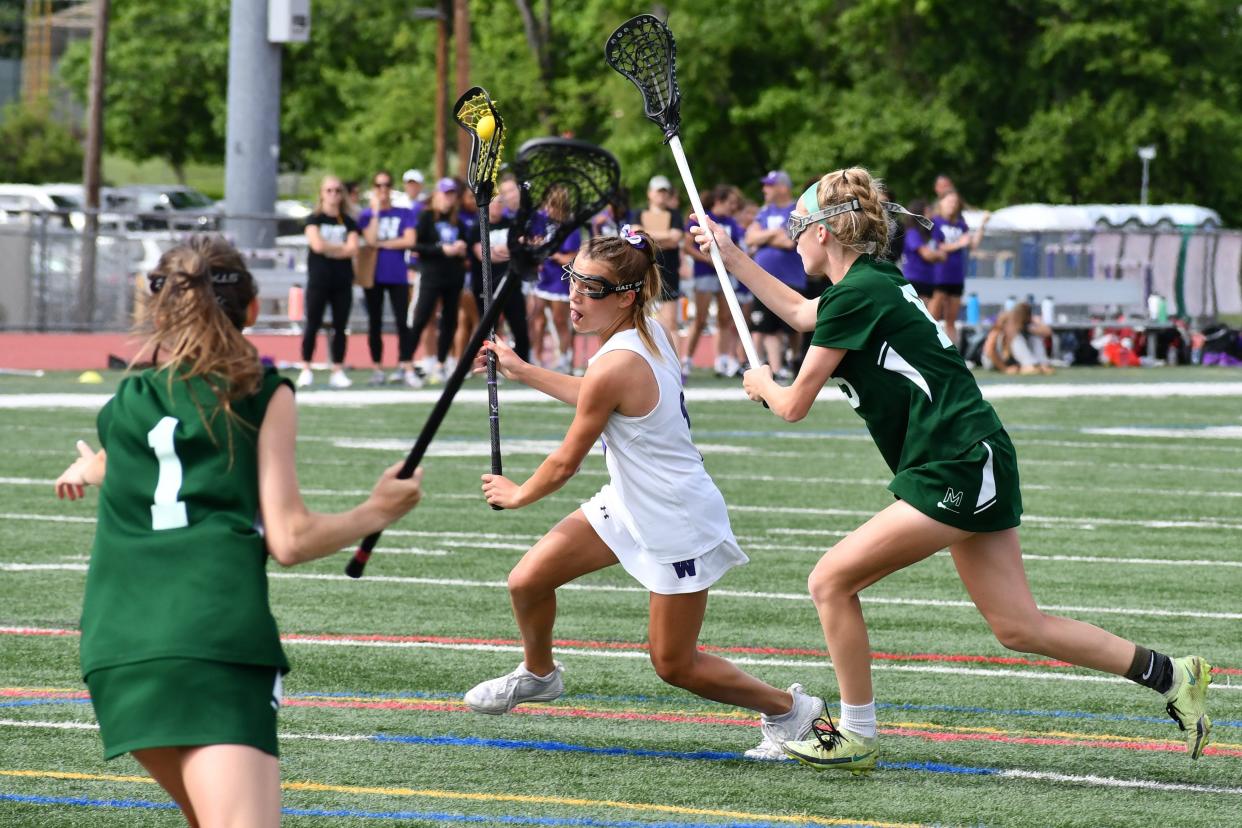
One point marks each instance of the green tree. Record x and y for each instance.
(34, 148)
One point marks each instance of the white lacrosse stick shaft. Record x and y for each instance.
(739, 321)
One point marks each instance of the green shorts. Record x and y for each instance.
(185, 702)
(977, 491)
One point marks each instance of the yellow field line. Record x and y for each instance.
(320, 787)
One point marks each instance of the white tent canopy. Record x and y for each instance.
(1063, 218)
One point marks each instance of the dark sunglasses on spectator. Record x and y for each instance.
(384, 185)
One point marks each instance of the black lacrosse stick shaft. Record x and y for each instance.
(493, 399)
(363, 554)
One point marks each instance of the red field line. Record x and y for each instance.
(953, 658)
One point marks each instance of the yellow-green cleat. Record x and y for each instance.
(830, 747)
(1188, 701)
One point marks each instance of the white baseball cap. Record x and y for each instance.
(660, 182)
(412, 175)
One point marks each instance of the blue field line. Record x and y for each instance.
(409, 816)
(694, 756)
(36, 702)
(559, 747)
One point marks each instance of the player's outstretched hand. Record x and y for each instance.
(393, 497)
(755, 380)
(73, 481)
(706, 230)
(508, 363)
(501, 491)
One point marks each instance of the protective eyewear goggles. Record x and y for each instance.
(797, 225)
(596, 288)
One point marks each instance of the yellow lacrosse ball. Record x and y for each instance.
(485, 127)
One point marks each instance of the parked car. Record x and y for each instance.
(171, 207)
(22, 202)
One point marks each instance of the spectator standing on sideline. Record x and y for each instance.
(552, 293)
(500, 215)
(1015, 345)
(952, 237)
(943, 186)
(414, 199)
(775, 253)
(353, 199)
(720, 204)
(663, 223)
(467, 310)
(332, 239)
(391, 230)
(411, 197)
(919, 254)
(442, 253)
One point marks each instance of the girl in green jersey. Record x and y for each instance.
(198, 486)
(955, 470)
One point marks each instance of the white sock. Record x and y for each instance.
(859, 718)
(538, 677)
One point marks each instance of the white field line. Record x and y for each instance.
(721, 593)
(1007, 773)
(1054, 520)
(475, 396)
(484, 540)
(801, 663)
(768, 478)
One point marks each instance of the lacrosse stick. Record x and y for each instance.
(643, 50)
(580, 178)
(476, 114)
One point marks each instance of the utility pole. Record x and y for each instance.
(90, 163)
(461, 45)
(252, 134)
(442, 12)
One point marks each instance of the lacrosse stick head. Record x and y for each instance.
(644, 51)
(563, 183)
(475, 112)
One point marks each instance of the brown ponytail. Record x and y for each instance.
(866, 230)
(200, 294)
(630, 263)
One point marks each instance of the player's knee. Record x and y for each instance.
(675, 669)
(1020, 634)
(826, 586)
(523, 586)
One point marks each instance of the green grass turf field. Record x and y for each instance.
(1136, 528)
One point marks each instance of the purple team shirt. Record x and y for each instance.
(952, 271)
(550, 272)
(913, 266)
(736, 233)
(785, 265)
(393, 222)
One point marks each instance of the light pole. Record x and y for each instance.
(1146, 153)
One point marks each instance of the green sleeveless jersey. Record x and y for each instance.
(900, 373)
(178, 564)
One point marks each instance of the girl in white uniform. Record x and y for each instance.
(660, 515)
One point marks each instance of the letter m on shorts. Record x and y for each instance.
(953, 497)
(684, 568)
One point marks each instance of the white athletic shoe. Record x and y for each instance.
(306, 378)
(377, 377)
(411, 379)
(339, 380)
(793, 726)
(500, 695)
(450, 365)
(396, 377)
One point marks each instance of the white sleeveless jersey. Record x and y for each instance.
(659, 488)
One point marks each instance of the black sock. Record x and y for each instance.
(1151, 669)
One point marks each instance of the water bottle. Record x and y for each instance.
(1011, 302)
(973, 316)
(1047, 309)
